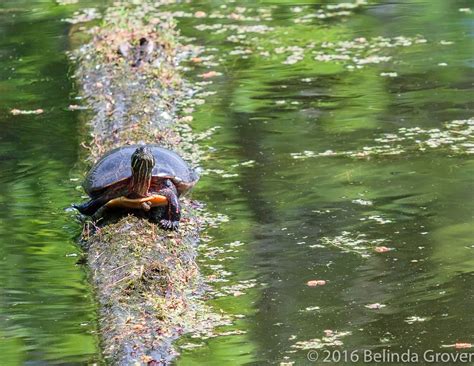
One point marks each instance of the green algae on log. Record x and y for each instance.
(146, 279)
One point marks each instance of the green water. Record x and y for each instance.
(297, 80)
(305, 217)
(47, 314)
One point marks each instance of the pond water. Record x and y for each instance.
(343, 154)
(336, 159)
(47, 313)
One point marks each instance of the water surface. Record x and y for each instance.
(337, 159)
(343, 154)
(47, 314)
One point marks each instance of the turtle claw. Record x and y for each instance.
(146, 206)
(169, 224)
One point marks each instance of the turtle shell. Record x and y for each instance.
(115, 167)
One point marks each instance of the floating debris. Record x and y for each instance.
(330, 338)
(362, 202)
(346, 6)
(375, 306)
(361, 51)
(312, 308)
(350, 243)
(200, 14)
(415, 319)
(66, 2)
(75, 107)
(382, 249)
(379, 219)
(297, 54)
(83, 16)
(205, 134)
(328, 11)
(458, 345)
(239, 287)
(315, 283)
(248, 163)
(234, 244)
(17, 112)
(231, 332)
(303, 155)
(210, 74)
(191, 345)
(389, 74)
(457, 136)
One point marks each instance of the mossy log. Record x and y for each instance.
(146, 279)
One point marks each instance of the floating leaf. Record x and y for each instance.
(200, 14)
(16, 112)
(76, 107)
(415, 319)
(375, 306)
(314, 283)
(458, 345)
(209, 74)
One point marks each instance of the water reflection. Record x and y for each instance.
(323, 216)
(48, 314)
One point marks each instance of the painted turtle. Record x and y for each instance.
(141, 177)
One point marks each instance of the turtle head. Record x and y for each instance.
(142, 167)
(142, 157)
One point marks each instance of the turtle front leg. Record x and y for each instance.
(172, 215)
(89, 208)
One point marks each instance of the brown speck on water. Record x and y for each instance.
(315, 283)
(381, 249)
(209, 74)
(200, 14)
